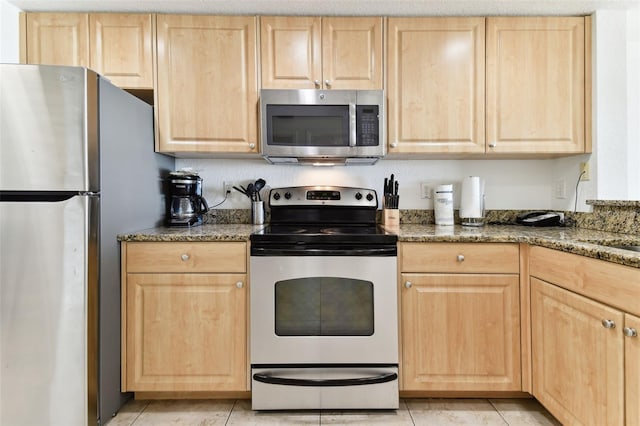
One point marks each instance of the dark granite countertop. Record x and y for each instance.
(217, 232)
(585, 242)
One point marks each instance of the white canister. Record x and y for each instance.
(443, 204)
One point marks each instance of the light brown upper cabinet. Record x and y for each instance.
(57, 39)
(207, 89)
(535, 99)
(117, 46)
(122, 48)
(536, 85)
(317, 53)
(435, 82)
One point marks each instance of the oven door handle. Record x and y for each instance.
(273, 380)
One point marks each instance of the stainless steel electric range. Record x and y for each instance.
(324, 327)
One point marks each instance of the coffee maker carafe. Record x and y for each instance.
(185, 204)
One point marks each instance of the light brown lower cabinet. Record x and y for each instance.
(578, 365)
(632, 369)
(586, 352)
(184, 331)
(460, 328)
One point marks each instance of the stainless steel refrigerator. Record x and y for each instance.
(77, 167)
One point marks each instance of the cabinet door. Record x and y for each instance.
(352, 53)
(632, 370)
(58, 39)
(535, 85)
(577, 363)
(121, 48)
(435, 81)
(291, 52)
(460, 332)
(186, 332)
(207, 88)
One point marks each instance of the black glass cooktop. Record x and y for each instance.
(327, 234)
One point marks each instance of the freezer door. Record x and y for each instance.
(48, 128)
(48, 318)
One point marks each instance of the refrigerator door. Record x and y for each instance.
(48, 318)
(48, 128)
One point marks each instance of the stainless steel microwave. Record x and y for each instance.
(322, 127)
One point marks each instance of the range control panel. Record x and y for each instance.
(323, 195)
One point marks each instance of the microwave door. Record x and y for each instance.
(310, 126)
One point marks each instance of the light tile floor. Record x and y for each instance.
(440, 412)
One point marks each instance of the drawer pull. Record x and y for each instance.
(184, 257)
(607, 323)
(630, 332)
(460, 258)
(239, 284)
(408, 284)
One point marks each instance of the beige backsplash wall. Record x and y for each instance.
(509, 184)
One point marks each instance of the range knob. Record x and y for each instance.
(369, 196)
(358, 196)
(287, 195)
(276, 196)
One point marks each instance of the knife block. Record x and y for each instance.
(391, 218)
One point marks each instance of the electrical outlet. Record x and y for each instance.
(426, 190)
(585, 171)
(228, 188)
(561, 189)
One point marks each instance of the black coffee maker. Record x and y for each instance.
(185, 204)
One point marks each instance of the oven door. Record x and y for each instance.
(324, 310)
(324, 332)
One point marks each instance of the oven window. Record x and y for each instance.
(324, 306)
(308, 125)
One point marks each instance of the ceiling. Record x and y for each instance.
(335, 7)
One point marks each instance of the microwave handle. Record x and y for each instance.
(352, 124)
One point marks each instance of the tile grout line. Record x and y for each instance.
(235, 401)
(498, 411)
(140, 413)
(413, 422)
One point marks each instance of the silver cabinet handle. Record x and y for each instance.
(394, 144)
(239, 284)
(492, 145)
(184, 257)
(607, 323)
(317, 83)
(630, 332)
(327, 83)
(252, 145)
(408, 284)
(460, 258)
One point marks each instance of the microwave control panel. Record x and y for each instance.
(368, 125)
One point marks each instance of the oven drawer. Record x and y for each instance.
(187, 257)
(297, 388)
(460, 257)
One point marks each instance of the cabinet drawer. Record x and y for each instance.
(610, 283)
(460, 257)
(186, 257)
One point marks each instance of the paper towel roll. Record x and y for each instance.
(472, 198)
